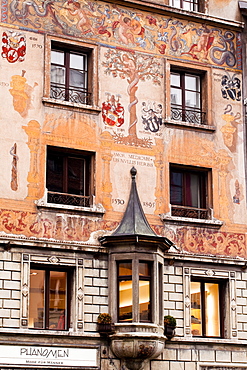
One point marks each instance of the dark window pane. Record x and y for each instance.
(176, 188)
(76, 176)
(54, 176)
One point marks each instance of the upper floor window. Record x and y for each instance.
(192, 5)
(134, 291)
(49, 298)
(69, 177)
(189, 195)
(207, 305)
(70, 74)
(186, 97)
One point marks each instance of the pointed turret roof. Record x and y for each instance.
(134, 221)
(134, 227)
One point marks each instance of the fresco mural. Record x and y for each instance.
(21, 93)
(151, 116)
(229, 130)
(231, 87)
(13, 46)
(14, 183)
(124, 28)
(237, 195)
(112, 110)
(133, 67)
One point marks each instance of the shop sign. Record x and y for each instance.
(48, 356)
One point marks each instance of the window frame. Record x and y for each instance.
(197, 5)
(67, 86)
(69, 282)
(222, 286)
(205, 189)
(91, 49)
(210, 273)
(89, 189)
(187, 113)
(206, 94)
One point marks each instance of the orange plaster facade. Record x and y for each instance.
(136, 76)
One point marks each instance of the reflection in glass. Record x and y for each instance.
(144, 291)
(125, 291)
(205, 309)
(37, 299)
(48, 299)
(212, 310)
(196, 314)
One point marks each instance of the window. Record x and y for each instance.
(70, 74)
(207, 300)
(186, 99)
(189, 191)
(192, 5)
(134, 284)
(68, 177)
(49, 299)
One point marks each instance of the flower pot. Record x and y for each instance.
(105, 329)
(169, 331)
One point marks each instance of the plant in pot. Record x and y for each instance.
(169, 326)
(104, 323)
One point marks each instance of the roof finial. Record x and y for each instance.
(133, 172)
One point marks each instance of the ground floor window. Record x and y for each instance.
(206, 308)
(49, 298)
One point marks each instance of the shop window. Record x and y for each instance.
(49, 306)
(189, 192)
(68, 177)
(70, 78)
(207, 301)
(192, 5)
(134, 291)
(186, 97)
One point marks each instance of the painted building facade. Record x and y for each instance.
(89, 91)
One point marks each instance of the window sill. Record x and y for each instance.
(188, 125)
(166, 217)
(55, 103)
(209, 341)
(96, 208)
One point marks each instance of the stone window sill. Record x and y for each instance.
(94, 209)
(70, 105)
(166, 217)
(188, 125)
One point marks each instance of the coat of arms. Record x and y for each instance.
(112, 111)
(13, 46)
(151, 116)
